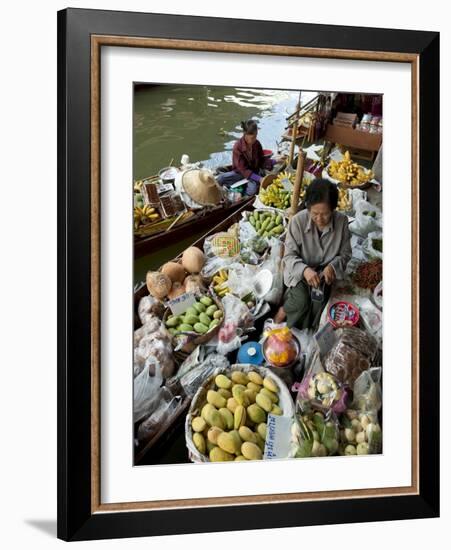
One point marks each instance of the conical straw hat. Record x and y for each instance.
(201, 186)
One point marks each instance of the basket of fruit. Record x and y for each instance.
(267, 223)
(348, 174)
(201, 320)
(228, 416)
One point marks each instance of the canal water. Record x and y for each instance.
(203, 122)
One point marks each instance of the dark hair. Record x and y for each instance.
(249, 126)
(321, 190)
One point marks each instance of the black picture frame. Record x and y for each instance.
(76, 518)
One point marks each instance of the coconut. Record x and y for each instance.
(176, 290)
(194, 283)
(193, 259)
(174, 271)
(158, 284)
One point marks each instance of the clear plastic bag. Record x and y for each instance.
(146, 391)
(320, 388)
(274, 264)
(360, 433)
(368, 218)
(166, 408)
(352, 354)
(372, 246)
(148, 308)
(236, 317)
(194, 378)
(368, 391)
(314, 434)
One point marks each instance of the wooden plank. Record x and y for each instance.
(353, 138)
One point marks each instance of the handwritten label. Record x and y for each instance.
(277, 444)
(180, 304)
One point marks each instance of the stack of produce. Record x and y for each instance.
(275, 195)
(360, 434)
(267, 224)
(280, 347)
(314, 435)
(232, 423)
(144, 215)
(344, 200)
(324, 388)
(176, 278)
(368, 274)
(348, 172)
(220, 283)
(202, 317)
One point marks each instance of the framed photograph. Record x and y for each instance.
(226, 220)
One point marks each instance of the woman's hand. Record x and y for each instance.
(312, 277)
(329, 274)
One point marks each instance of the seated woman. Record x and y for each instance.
(317, 250)
(248, 161)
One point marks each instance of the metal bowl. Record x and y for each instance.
(170, 177)
(288, 365)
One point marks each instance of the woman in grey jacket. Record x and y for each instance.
(317, 250)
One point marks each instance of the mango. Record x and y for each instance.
(251, 396)
(273, 396)
(251, 451)
(276, 410)
(270, 385)
(223, 381)
(264, 402)
(191, 319)
(219, 455)
(260, 442)
(216, 399)
(239, 377)
(206, 301)
(214, 324)
(228, 417)
(184, 327)
(191, 311)
(225, 393)
(172, 321)
(255, 378)
(210, 446)
(261, 430)
(247, 434)
(198, 424)
(199, 307)
(239, 417)
(232, 404)
(199, 442)
(238, 394)
(218, 314)
(173, 331)
(204, 319)
(256, 413)
(212, 416)
(213, 434)
(211, 309)
(200, 328)
(240, 458)
(254, 387)
(227, 442)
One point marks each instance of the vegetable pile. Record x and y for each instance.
(368, 274)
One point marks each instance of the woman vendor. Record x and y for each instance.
(248, 161)
(317, 250)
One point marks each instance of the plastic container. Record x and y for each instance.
(251, 353)
(343, 314)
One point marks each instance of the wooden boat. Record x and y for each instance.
(165, 236)
(174, 427)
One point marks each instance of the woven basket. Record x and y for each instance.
(195, 338)
(200, 398)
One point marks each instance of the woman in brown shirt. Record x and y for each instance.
(317, 250)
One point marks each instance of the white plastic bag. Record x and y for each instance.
(368, 218)
(146, 391)
(369, 246)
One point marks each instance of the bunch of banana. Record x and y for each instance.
(137, 186)
(349, 172)
(275, 195)
(220, 283)
(344, 200)
(144, 215)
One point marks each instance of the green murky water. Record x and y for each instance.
(204, 123)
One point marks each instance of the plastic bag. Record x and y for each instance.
(372, 246)
(221, 250)
(351, 355)
(146, 391)
(321, 388)
(166, 408)
(152, 324)
(314, 433)
(360, 433)
(148, 308)
(241, 280)
(156, 348)
(370, 316)
(194, 378)
(274, 264)
(368, 391)
(368, 218)
(236, 317)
